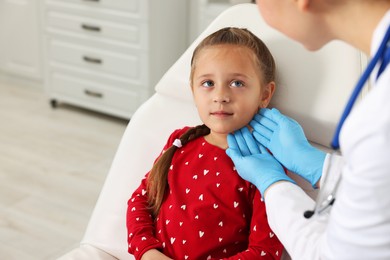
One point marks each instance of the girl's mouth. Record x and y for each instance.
(221, 113)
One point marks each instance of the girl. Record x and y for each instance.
(193, 204)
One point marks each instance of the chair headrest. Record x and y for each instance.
(312, 87)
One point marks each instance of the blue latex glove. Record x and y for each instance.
(285, 138)
(253, 162)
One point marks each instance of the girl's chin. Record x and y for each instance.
(225, 130)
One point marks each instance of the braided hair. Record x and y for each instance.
(158, 177)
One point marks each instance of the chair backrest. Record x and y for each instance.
(311, 88)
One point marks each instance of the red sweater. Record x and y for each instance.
(210, 212)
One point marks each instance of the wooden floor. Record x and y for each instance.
(53, 163)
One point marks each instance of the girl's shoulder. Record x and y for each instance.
(176, 134)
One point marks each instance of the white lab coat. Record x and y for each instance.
(358, 226)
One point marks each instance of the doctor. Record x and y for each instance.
(358, 226)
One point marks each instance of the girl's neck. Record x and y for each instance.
(219, 140)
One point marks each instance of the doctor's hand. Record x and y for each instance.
(285, 138)
(253, 162)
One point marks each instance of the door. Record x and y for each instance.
(20, 38)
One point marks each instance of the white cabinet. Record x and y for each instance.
(20, 38)
(107, 55)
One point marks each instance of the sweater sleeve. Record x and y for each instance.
(263, 243)
(140, 224)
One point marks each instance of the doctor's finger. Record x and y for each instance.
(272, 114)
(263, 150)
(265, 121)
(233, 145)
(261, 130)
(261, 139)
(242, 145)
(253, 146)
(234, 154)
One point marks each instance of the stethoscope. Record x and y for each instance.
(382, 55)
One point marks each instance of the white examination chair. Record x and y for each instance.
(312, 88)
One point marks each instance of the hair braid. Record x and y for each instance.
(157, 182)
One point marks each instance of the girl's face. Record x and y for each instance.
(227, 87)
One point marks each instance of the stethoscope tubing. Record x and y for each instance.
(335, 144)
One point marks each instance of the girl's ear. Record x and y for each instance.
(267, 93)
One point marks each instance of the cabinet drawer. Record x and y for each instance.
(131, 66)
(132, 6)
(93, 94)
(134, 34)
(115, 82)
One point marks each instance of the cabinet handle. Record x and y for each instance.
(91, 0)
(91, 28)
(92, 60)
(93, 93)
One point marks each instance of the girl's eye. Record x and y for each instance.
(207, 84)
(237, 84)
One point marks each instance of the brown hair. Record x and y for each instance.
(157, 182)
(244, 38)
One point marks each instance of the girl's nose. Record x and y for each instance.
(222, 99)
(221, 96)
